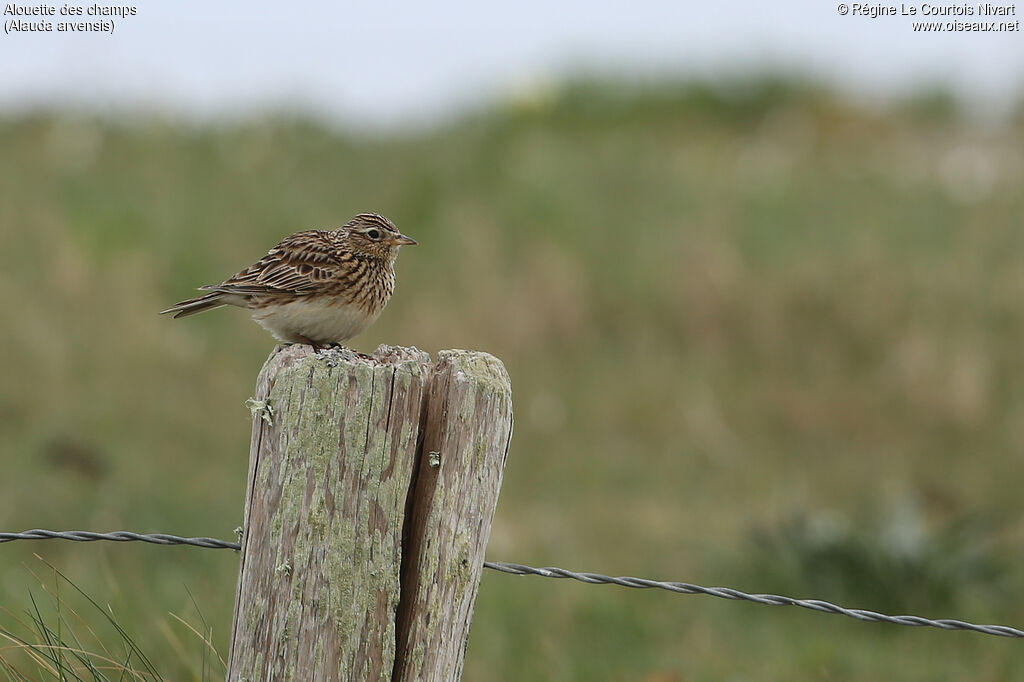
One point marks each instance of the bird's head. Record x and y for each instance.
(374, 236)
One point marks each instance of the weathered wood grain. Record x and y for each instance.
(333, 447)
(372, 485)
(467, 428)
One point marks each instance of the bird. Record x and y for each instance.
(317, 287)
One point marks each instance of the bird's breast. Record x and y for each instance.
(321, 319)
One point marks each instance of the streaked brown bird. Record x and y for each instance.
(320, 287)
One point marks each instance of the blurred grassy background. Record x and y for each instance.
(758, 336)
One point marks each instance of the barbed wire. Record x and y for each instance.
(553, 572)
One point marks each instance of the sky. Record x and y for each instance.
(392, 64)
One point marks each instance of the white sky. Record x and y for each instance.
(386, 62)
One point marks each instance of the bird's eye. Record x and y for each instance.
(373, 233)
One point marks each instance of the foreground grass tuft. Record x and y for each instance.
(71, 636)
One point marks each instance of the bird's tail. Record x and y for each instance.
(196, 305)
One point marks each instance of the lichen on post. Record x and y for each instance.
(329, 475)
(467, 429)
(372, 485)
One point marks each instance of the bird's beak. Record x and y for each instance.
(402, 240)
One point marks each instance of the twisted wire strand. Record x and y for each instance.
(118, 536)
(553, 572)
(766, 599)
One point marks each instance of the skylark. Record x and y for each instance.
(318, 287)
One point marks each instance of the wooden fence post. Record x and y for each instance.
(467, 429)
(372, 484)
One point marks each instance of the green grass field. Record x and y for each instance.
(759, 337)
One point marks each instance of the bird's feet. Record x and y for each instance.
(323, 349)
(317, 347)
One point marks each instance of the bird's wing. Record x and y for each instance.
(299, 265)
